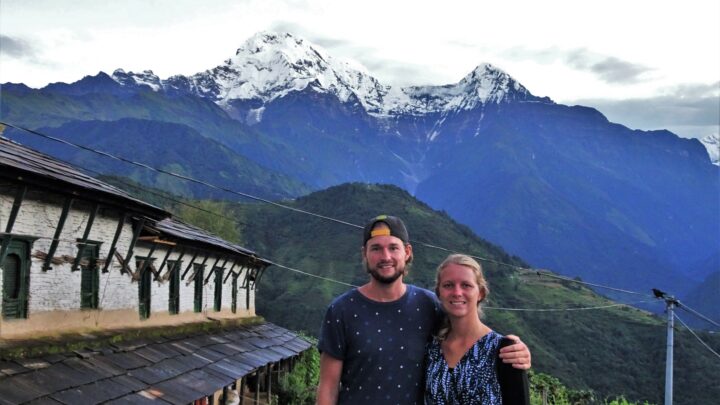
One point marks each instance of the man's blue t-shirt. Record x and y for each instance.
(382, 345)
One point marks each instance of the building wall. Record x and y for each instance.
(54, 295)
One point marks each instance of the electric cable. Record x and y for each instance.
(696, 336)
(694, 312)
(566, 309)
(300, 210)
(538, 272)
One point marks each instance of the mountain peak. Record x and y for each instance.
(144, 78)
(491, 84)
(270, 65)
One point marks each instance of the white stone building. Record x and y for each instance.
(74, 256)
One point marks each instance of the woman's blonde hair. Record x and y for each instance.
(472, 264)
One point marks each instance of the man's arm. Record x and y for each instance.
(518, 354)
(329, 384)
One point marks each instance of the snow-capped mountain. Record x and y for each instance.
(712, 144)
(270, 65)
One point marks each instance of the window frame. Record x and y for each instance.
(174, 287)
(90, 276)
(20, 246)
(144, 287)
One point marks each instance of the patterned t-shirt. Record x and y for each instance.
(382, 345)
(473, 381)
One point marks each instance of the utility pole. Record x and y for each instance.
(671, 303)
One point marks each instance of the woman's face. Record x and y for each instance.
(458, 291)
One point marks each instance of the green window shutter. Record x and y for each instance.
(233, 304)
(89, 278)
(174, 300)
(144, 284)
(218, 288)
(11, 286)
(198, 288)
(16, 277)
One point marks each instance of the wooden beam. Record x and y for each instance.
(146, 262)
(245, 280)
(261, 271)
(58, 230)
(176, 267)
(111, 253)
(229, 273)
(188, 266)
(19, 197)
(200, 266)
(136, 235)
(212, 271)
(86, 236)
(241, 390)
(162, 265)
(268, 381)
(257, 386)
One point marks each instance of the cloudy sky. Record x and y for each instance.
(645, 64)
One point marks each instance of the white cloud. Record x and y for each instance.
(563, 49)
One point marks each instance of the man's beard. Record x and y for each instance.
(384, 279)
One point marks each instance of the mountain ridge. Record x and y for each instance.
(270, 65)
(560, 185)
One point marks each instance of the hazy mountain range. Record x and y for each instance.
(559, 185)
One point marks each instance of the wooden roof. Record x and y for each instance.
(20, 163)
(177, 229)
(163, 370)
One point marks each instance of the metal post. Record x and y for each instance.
(671, 303)
(669, 355)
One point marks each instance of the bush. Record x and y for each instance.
(299, 386)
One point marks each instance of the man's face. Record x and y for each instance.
(386, 257)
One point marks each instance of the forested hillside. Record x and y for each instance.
(613, 350)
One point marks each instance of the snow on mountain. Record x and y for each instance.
(145, 78)
(712, 144)
(271, 65)
(485, 84)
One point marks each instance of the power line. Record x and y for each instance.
(547, 274)
(694, 312)
(697, 337)
(190, 179)
(312, 275)
(246, 195)
(566, 309)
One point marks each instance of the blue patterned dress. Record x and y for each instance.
(474, 379)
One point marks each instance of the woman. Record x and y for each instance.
(462, 360)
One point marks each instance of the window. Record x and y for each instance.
(89, 277)
(218, 288)
(144, 288)
(174, 299)
(16, 280)
(233, 304)
(199, 273)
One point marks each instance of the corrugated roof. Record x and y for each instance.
(23, 159)
(178, 370)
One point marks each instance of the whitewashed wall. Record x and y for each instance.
(58, 289)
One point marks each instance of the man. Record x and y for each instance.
(372, 340)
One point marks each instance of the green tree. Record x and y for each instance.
(214, 217)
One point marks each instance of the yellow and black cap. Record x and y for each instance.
(395, 227)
